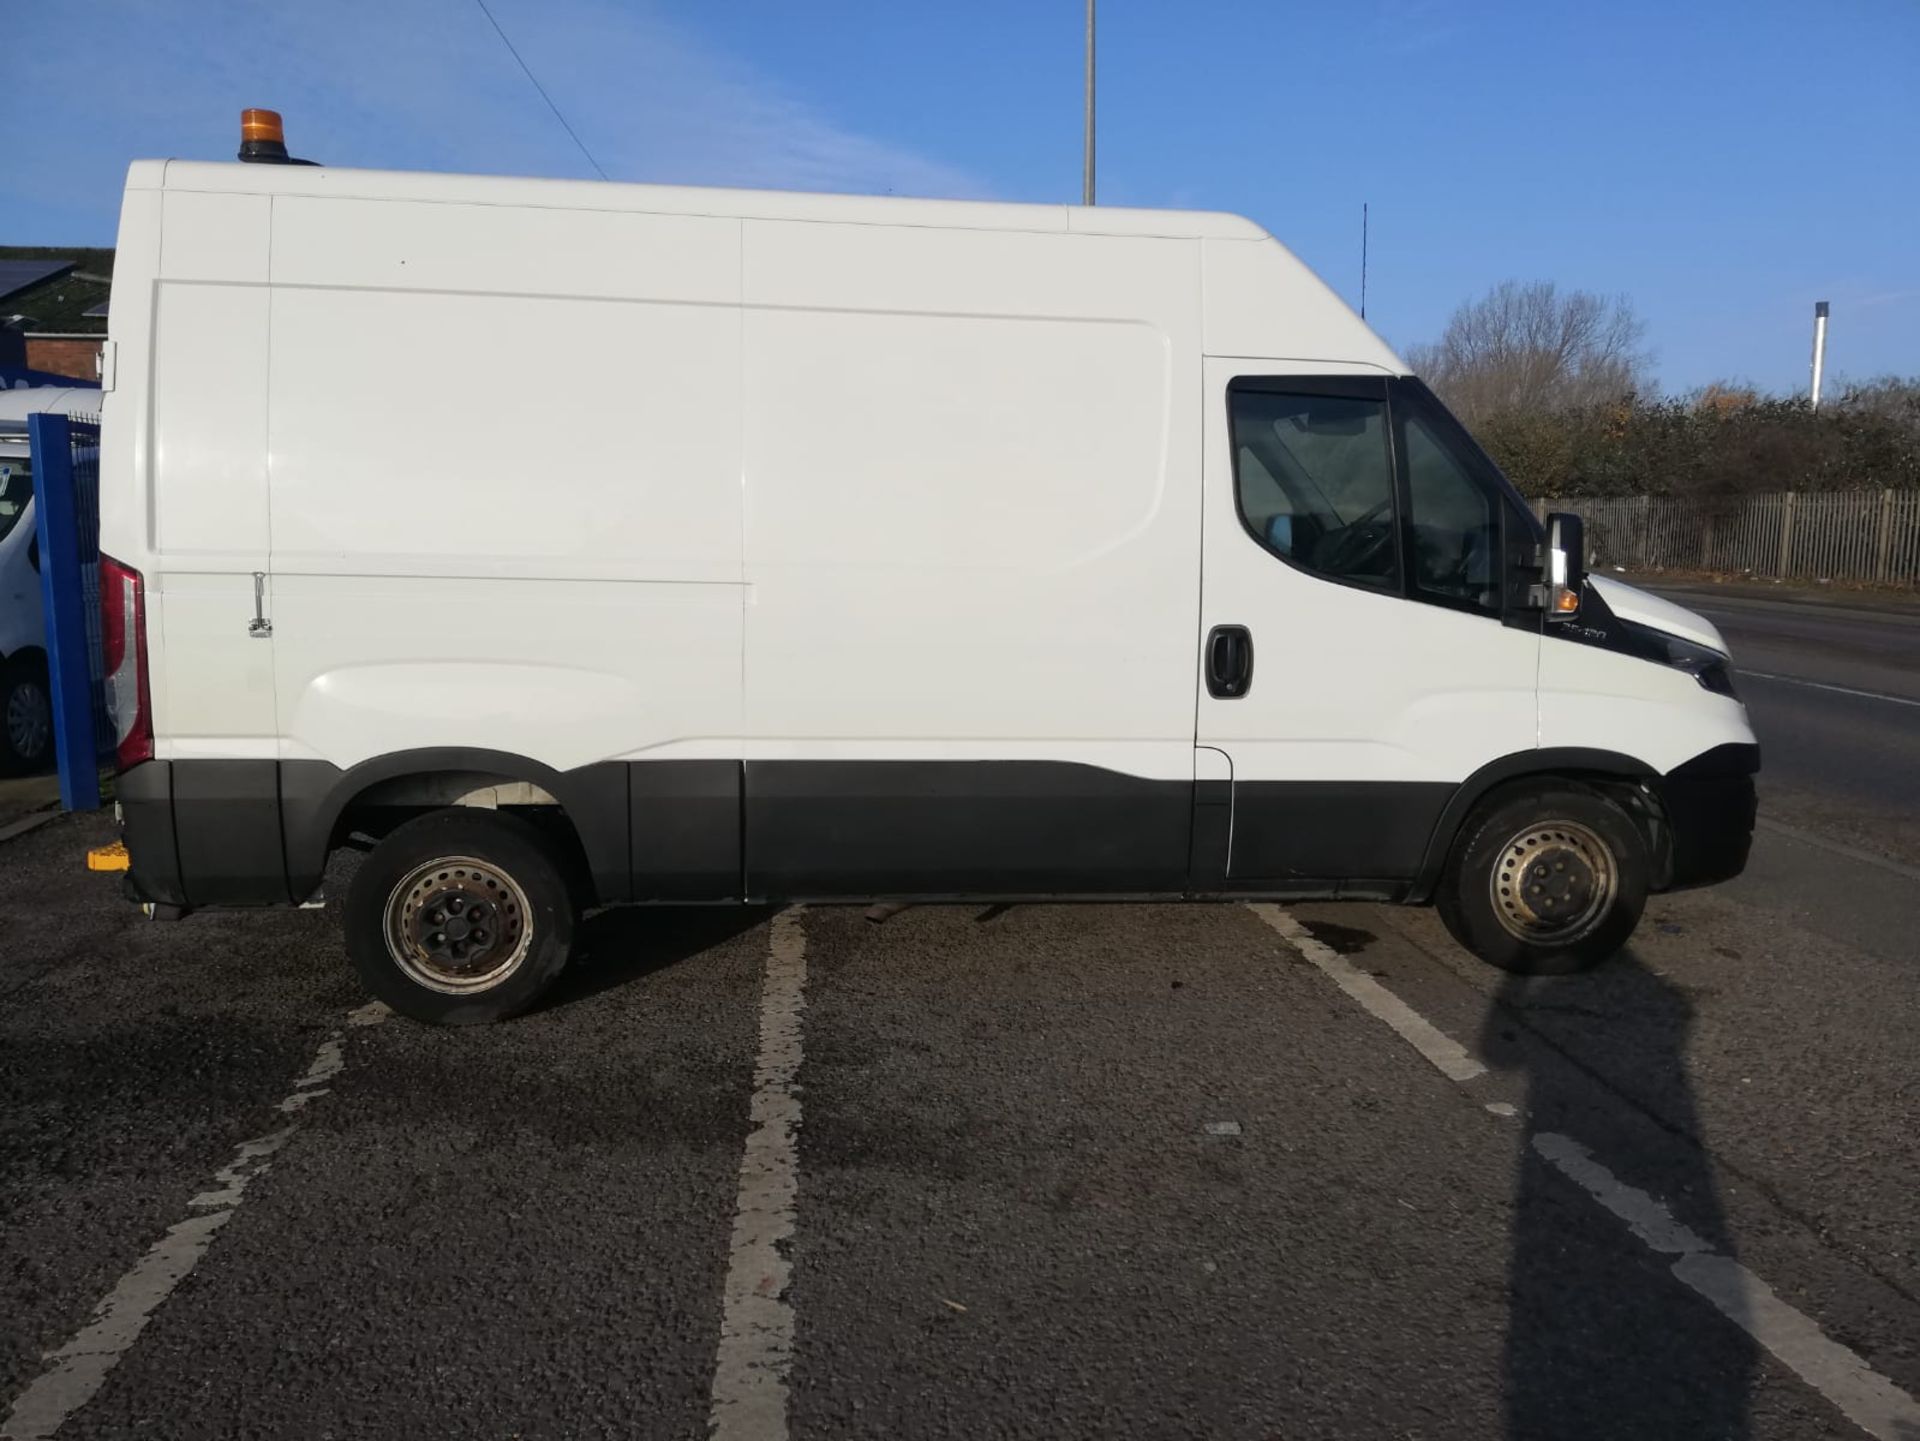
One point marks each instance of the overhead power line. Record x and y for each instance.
(534, 80)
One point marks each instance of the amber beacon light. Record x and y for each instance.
(263, 139)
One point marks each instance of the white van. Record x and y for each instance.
(855, 548)
(26, 710)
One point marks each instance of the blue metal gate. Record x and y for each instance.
(66, 495)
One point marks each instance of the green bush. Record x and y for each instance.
(1721, 441)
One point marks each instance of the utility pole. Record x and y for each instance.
(1819, 345)
(1086, 170)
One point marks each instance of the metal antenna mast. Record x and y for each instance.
(1363, 260)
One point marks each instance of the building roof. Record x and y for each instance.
(54, 289)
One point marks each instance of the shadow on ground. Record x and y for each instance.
(615, 947)
(1602, 1339)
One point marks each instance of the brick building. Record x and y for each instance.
(53, 306)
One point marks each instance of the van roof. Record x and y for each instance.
(232, 177)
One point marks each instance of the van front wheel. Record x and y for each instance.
(1545, 881)
(460, 917)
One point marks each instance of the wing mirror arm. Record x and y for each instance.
(1563, 568)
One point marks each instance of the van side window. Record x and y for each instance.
(1314, 482)
(1454, 522)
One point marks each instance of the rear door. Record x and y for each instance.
(213, 685)
(1357, 655)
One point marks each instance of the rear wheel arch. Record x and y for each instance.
(1620, 777)
(583, 811)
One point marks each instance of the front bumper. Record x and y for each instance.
(1710, 807)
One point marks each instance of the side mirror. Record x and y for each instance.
(1563, 569)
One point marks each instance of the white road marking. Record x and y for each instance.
(79, 1368)
(1822, 685)
(1868, 1399)
(1448, 1056)
(1852, 853)
(756, 1320)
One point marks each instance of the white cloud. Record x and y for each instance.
(652, 100)
(422, 85)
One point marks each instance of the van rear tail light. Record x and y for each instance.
(123, 643)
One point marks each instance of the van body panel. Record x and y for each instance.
(1259, 292)
(566, 587)
(505, 250)
(1593, 697)
(972, 491)
(332, 182)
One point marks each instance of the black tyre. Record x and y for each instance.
(1545, 881)
(460, 917)
(26, 716)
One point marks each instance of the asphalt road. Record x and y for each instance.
(1058, 1171)
(1834, 692)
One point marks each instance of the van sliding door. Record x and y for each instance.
(971, 545)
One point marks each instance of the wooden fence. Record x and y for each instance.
(1870, 536)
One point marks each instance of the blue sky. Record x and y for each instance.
(1723, 165)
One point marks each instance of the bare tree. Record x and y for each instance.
(1531, 348)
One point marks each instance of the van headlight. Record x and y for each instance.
(1709, 667)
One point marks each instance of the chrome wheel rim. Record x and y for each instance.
(458, 925)
(29, 719)
(1553, 883)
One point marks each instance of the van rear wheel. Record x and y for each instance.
(1545, 880)
(460, 917)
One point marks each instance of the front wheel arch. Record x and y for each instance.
(1622, 778)
(1572, 898)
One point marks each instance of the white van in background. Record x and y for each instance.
(26, 710)
(869, 548)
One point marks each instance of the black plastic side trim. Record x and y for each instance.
(686, 830)
(226, 822)
(1291, 831)
(1552, 760)
(145, 795)
(855, 829)
(1212, 837)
